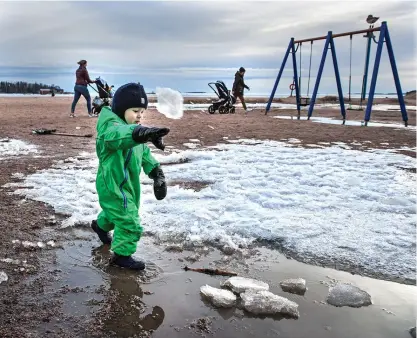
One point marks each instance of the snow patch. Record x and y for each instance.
(18, 176)
(329, 205)
(14, 147)
(33, 245)
(191, 145)
(328, 120)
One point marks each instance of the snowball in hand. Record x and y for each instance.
(170, 102)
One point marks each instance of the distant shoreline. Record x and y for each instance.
(209, 94)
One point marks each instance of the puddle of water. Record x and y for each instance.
(121, 304)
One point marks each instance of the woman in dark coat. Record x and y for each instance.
(80, 88)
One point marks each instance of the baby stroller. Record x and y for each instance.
(105, 94)
(226, 101)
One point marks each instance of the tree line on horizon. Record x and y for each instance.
(22, 87)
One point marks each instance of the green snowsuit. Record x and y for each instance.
(118, 185)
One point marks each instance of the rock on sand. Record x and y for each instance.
(348, 295)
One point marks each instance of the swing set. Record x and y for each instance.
(384, 37)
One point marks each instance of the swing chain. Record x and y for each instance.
(350, 69)
(309, 69)
(299, 76)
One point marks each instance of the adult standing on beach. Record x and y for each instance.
(239, 86)
(80, 88)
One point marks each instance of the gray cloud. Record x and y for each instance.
(186, 44)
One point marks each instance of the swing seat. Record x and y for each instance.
(304, 101)
(355, 108)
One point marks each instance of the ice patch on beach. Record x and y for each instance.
(14, 147)
(328, 120)
(331, 205)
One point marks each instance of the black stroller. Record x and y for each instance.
(105, 94)
(226, 101)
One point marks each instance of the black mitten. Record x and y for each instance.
(143, 134)
(159, 184)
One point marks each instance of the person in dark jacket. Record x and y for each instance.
(80, 88)
(239, 86)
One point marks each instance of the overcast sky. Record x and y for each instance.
(185, 45)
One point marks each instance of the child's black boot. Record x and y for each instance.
(103, 235)
(127, 262)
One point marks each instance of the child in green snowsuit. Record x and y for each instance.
(122, 152)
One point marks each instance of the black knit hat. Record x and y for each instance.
(242, 70)
(130, 95)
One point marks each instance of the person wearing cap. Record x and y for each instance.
(123, 153)
(239, 86)
(82, 79)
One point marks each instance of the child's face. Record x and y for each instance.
(133, 115)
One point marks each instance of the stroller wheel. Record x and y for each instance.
(232, 110)
(222, 110)
(211, 109)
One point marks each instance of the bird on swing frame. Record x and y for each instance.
(371, 20)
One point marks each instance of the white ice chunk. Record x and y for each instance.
(10, 261)
(18, 175)
(218, 297)
(191, 145)
(170, 102)
(266, 303)
(241, 284)
(294, 285)
(27, 244)
(3, 277)
(50, 243)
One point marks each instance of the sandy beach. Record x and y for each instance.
(68, 289)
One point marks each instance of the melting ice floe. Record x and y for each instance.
(266, 303)
(331, 205)
(253, 296)
(219, 297)
(241, 284)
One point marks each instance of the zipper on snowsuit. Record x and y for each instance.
(129, 155)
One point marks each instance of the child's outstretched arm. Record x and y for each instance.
(122, 136)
